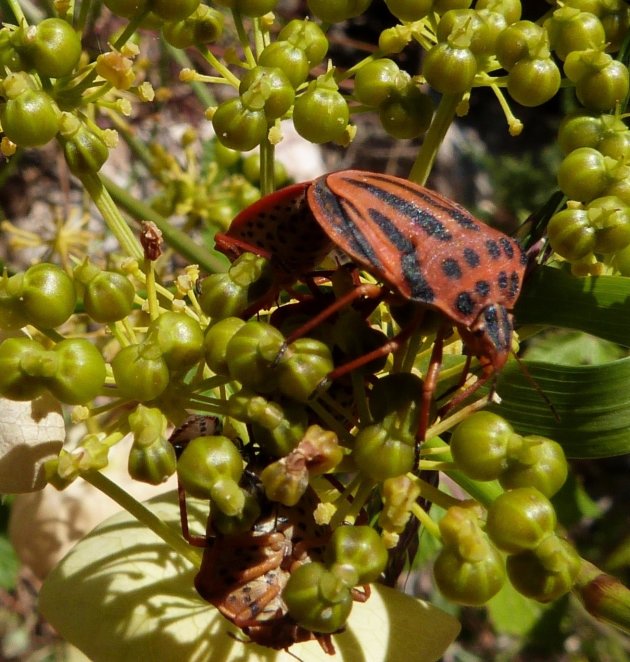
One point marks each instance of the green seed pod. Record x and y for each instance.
(80, 371)
(46, 292)
(571, 234)
(379, 455)
(308, 37)
(278, 430)
(520, 519)
(316, 599)
(85, 151)
(108, 295)
(140, 372)
(469, 582)
(359, 547)
(216, 341)
(610, 217)
(251, 354)
(154, 463)
(16, 381)
(207, 460)
(303, 367)
(481, 445)
(547, 572)
(539, 463)
(180, 339)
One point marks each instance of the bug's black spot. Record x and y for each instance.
(482, 287)
(508, 248)
(464, 303)
(471, 257)
(254, 608)
(514, 283)
(523, 259)
(502, 280)
(420, 290)
(494, 251)
(451, 268)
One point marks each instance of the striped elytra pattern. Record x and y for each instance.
(423, 246)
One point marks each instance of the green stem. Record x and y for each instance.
(144, 515)
(267, 170)
(242, 37)
(425, 519)
(112, 216)
(14, 6)
(435, 135)
(175, 238)
(201, 91)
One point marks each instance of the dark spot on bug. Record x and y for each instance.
(464, 303)
(523, 259)
(494, 251)
(471, 257)
(514, 284)
(508, 248)
(463, 218)
(451, 268)
(502, 280)
(420, 290)
(482, 287)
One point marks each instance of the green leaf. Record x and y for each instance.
(9, 565)
(513, 613)
(122, 594)
(599, 305)
(592, 404)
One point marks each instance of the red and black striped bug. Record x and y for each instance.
(424, 247)
(243, 574)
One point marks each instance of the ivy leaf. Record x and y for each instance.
(122, 594)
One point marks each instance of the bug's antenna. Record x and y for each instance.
(528, 376)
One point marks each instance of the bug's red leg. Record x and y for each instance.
(361, 594)
(429, 384)
(366, 290)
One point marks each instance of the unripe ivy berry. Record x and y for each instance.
(584, 174)
(16, 381)
(303, 367)
(469, 582)
(267, 89)
(308, 37)
(511, 9)
(287, 57)
(571, 234)
(52, 47)
(321, 113)
(539, 463)
(379, 455)
(127, 8)
(152, 464)
(481, 444)
(238, 127)
(316, 599)
(46, 292)
(251, 354)
(140, 372)
(216, 341)
(521, 40)
(30, 119)
(580, 129)
(409, 10)
(378, 81)
(448, 69)
(520, 519)
(359, 547)
(85, 150)
(547, 572)
(108, 295)
(610, 217)
(210, 467)
(335, 11)
(80, 371)
(533, 82)
(180, 339)
(168, 10)
(570, 29)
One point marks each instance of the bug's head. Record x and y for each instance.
(489, 337)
